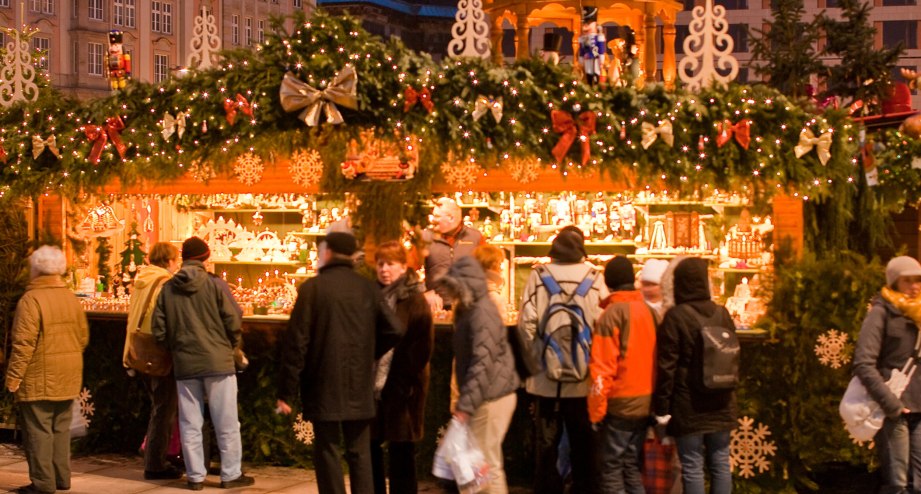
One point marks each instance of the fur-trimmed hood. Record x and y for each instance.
(465, 281)
(685, 280)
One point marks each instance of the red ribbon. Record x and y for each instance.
(423, 97)
(567, 126)
(727, 130)
(100, 135)
(3, 156)
(232, 105)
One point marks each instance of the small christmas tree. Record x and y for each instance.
(787, 48)
(133, 255)
(103, 254)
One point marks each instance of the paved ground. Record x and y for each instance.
(112, 474)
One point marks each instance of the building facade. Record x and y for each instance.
(73, 34)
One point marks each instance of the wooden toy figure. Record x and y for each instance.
(592, 46)
(119, 62)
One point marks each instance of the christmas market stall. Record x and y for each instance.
(329, 126)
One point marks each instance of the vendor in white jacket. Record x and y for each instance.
(558, 403)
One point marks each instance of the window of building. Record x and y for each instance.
(43, 6)
(130, 13)
(155, 16)
(94, 65)
(689, 5)
(260, 32)
(739, 34)
(900, 32)
(161, 67)
(161, 17)
(899, 3)
(42, 47)
(682, 31)
(75, 58)
(734, 4)
(297, 4)
(235, 29)
(248, 30)
(4, 3)
(831, 4)
(123, 13)
(95, 10)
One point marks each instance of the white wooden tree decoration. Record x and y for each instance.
(470, 32)
(708, 49)
(205, 42)
(17, 74)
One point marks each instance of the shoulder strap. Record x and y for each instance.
(550, 283)
(150, 295)
(587, 283)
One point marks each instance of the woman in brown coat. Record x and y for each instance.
(46, 369)
(402, 377)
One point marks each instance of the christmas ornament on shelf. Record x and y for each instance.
(461, 173)
(17, 73)
(831, 349)
(708, 39)
(749, 447)
(297, 95)
(133, 255)
(206, 43)
(470, 32)
(306, 167)
(248, 169)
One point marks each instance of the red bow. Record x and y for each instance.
(100, 135)
(424, 97)
(3, 156)
(726, 130)
(565, 124)
(231, 106)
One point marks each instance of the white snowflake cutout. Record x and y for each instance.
(303, 430)
(749, 448)
(461, 173)
(523, 171)
(306, 167)
(248, 169)
(201, 172)
(87, 409)
(831, 349)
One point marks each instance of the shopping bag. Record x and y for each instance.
(658, 474)
(459, 452)
(863, 417)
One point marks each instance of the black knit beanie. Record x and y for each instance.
(341, 243)
(618, 274)
(568, 246)
(195, 249)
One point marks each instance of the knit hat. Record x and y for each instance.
(195, 249)
(653, 270)
(901, 266)
(618, 274)
(568, 246)
(341, 243)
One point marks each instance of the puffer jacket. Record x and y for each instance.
(198, 322)
(679, 360)
(534, 302)
(887, 340)
(48, 337)
(149, 278)
(484, 361)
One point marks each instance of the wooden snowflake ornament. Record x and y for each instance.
(86, 407)
(303, 430)
(831, 349)
(524, 171)
(248, 169)
(306, 167)
(461, 173)
(708, 49)
(749, 448)
(201, 172)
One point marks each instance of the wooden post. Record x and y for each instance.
(788, 222)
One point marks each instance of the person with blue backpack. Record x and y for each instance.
(560, 305)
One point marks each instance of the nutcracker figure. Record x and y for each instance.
(592, 46)
(119, 62)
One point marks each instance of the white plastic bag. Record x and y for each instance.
(459, 458)
(862, 415)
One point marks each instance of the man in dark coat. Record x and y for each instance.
(338, 327)
(700, 419)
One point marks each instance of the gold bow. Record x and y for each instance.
(343, 90)
(808, 140)
(39, 145)
(484, 104)
(173, 125)
(651, 133)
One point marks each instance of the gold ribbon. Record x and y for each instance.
(651, 133)
(39, 145)
(343, 90)
(482, 105)
(173, 125)
(808, 140)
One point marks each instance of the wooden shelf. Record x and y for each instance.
(741, 270)
(250, 210)
(518, 243)
(259, 263)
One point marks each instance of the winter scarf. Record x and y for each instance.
(400, 289)
(911, 307)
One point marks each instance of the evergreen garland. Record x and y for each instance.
(103, 254)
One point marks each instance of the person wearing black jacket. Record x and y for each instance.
(339, 326)
(701, 420)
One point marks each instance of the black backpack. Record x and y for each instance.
(720, 352)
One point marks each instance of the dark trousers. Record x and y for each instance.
(401, 468)
(357, 435)
(163, 409)
(552, 414)
(46, 440)
(621, 444)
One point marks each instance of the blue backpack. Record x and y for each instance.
(564, 330)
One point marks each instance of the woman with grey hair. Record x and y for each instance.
(46, 369)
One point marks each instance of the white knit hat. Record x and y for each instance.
(653, 270)
(901, 266)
